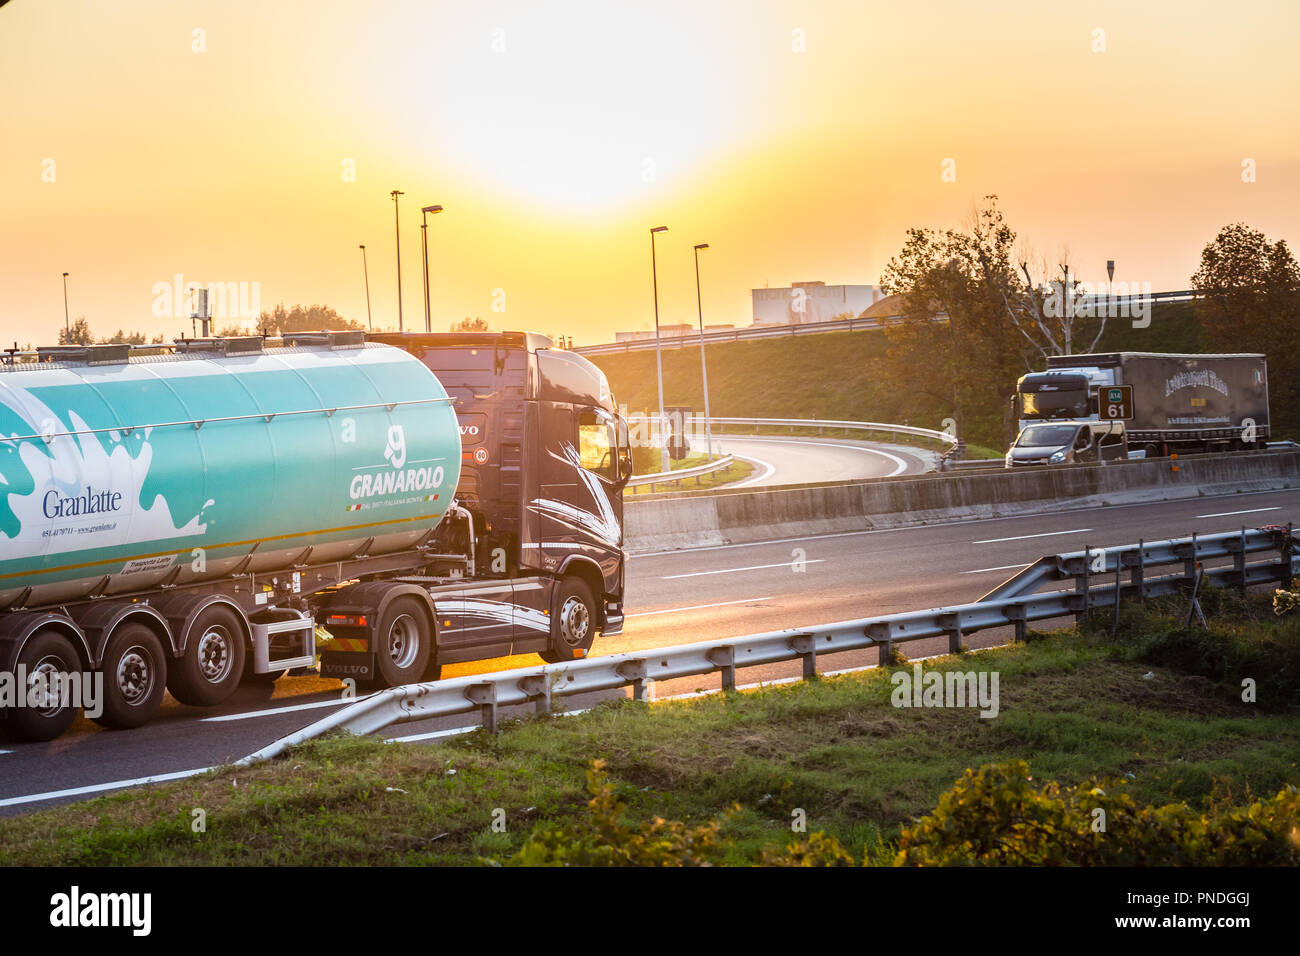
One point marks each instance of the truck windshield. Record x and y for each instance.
(1041, 436)
(480, 372)
(1067, 403)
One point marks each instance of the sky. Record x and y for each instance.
(145, 144)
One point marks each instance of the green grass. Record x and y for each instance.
(1073, 704)
(737, 471)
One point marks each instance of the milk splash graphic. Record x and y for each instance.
(82, 495)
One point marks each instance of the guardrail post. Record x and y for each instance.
(952, 624)
(879, 632)
(1287, 546)
(634, 673)
(1189, 563)
(724, 659)
(485, 695)
(1016, 614)
(538, 686)
(1137, 576)
(1081, 585)
(805, 645)
(1238, 549)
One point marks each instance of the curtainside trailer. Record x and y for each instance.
(186, 520)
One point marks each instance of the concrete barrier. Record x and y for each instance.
(729, 517)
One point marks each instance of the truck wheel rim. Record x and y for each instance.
(403, 644)
(574, 621)
(135, 676)
(214, 654)
(48, 667)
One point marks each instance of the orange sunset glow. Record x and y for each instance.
(258, 142)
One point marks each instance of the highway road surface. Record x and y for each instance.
(675, 597)
(790, 460)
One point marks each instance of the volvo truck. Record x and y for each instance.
(191, 519)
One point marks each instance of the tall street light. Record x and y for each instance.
(424, 249)
(66, 324)
(659, 359)
(704, 368)
(366, 268)
(398, 226)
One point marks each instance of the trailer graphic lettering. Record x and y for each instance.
(1195, 378)
(62, 492)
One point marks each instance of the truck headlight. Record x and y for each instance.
(1058, 457)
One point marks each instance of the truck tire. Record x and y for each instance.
(209, 670)
(48, 653)
(573, 624)
(135, 677)
(403, 646)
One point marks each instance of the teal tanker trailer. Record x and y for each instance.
(184, 520)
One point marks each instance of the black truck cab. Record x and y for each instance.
(544, 459)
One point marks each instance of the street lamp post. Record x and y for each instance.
(424, 249)
(370, 324)
(704, 367)
(659, 360)
(67, 326)
(398, 228)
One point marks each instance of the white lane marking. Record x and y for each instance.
(1005, 567)
(902, 465)
(6, 751)
(754, 478)
(1024, 537)
(100, 787)
(696, 607)
(272, 711)
(1248, 511)
(944, 524)
(753, 567)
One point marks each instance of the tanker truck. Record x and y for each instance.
(187, 520)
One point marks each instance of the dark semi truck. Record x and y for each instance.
(1180, 402)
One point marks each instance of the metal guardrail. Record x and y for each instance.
(820, 423)
(855, 324)
(663, 477)
(739, 335)
(1016, 603)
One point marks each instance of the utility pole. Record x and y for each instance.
(659, 361)
(704, 368)
(424, 250)
(67, 326)
(397, 224)
(370, 324)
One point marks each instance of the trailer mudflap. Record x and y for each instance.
(347, 664)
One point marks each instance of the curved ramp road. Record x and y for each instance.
(781, 460)
(673, 598)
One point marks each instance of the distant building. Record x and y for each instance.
(804, 303)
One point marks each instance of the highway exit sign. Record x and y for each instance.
(1117, 403)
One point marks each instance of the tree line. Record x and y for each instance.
(980, 308)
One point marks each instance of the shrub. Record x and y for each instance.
(997, 816)
(601, 838)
